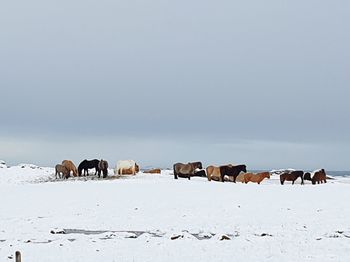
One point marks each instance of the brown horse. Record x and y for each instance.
(232, 171)
(292, 176)
(61, 169)
(186, 170)
(153, 171)
(70, 166)
(256, 178)
(319, 177)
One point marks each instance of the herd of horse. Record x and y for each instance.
(67, 167)
(231, 173)
(238, 173)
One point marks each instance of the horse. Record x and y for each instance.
(213, 172)
(103, 167)
(62, 169)
(153, 171)
(307, 176)
(126, 167)
(70, 166)
(232, 171)
(239, 178)
(200, 173)
(319, 177)
(88, 164)
(256, 178)
(186, 170)
(292, 176)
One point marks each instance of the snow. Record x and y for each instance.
(156, 218)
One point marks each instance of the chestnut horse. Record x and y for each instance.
(256, 178)
(70, 166)
(319, 177)
(292, 176)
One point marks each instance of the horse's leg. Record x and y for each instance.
(293, 182)
(282, 182)
(222, 178)
(175, 174)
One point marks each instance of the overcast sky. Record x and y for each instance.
(265, 83)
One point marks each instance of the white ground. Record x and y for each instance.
(269, 222)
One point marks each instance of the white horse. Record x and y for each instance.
(126, 167)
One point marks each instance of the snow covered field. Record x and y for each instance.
(157, 218)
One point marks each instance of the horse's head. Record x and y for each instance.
(199, 165)
(267, 175)
(244, 168)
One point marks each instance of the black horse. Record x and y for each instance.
(230, 170)
(88, 164)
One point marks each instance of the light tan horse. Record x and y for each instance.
(70, 166)
(256, 178)
(213, 173)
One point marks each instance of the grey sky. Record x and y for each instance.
(260, 82)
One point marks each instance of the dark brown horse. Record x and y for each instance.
(186, 170)
(292, 176)
(319, 177)
(307, 176)
(232, 171)
(102, 167)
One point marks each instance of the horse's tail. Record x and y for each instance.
(175, 173)
(282, 179)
